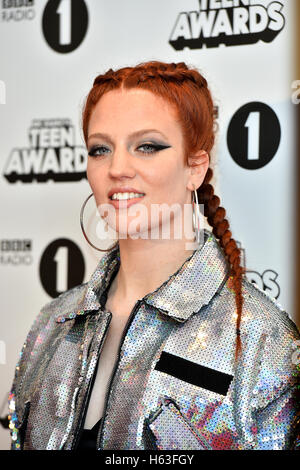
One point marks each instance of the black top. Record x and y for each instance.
(88, 437)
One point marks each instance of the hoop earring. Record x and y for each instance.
(83, 231)
(196, 215)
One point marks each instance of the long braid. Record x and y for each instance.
(216, 218)
(186, 89)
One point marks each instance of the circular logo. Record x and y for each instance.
(62, 267)
(253, 135)
(65, 24)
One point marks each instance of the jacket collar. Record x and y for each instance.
(193, 285)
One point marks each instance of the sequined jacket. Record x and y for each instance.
(175, 384)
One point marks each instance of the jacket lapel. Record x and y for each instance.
(195, 282)
(185, 292)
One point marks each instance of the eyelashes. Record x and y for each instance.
(97, 150)
(155, 148)
(93, 151)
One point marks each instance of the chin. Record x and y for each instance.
(132, 232)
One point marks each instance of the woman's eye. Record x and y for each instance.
(152, 148)
(97, 151)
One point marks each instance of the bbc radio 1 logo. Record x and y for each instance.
(52, 154)
(17, 10)
(15, 252)
(65, 24)
(61, 266)
(253, 135)
(228, 22)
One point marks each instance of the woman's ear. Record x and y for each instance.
(198, 163)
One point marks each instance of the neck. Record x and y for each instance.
(145, 264)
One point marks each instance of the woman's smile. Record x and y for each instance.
(126, 202)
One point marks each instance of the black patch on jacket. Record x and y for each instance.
(195, 374)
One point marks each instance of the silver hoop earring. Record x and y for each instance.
(83, 231)
(196, 215)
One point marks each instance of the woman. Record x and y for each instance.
(168, 346)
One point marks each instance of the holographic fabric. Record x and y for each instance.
(175, 384)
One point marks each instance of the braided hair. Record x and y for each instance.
(187, 91)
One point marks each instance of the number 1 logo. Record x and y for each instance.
(65, 24)
(253, 135)
(62, 266)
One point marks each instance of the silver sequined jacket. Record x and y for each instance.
(175, 384)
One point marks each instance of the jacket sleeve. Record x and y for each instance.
(275, 424)
(16, 402)
(276, 417)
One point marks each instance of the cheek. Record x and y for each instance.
(162, 173)
(92, 176)
(170, 180)
(89, 173)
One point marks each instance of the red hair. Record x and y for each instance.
(187, 91)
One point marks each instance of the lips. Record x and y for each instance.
(123, 189)
(123, 203)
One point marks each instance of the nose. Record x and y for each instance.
(121, 164)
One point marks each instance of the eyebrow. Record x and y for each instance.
(134, 134)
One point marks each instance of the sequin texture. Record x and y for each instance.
(175, 384)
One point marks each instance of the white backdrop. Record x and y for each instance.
(51, 52)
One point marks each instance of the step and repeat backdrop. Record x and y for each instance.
(51, 51)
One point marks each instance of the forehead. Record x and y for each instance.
(136, 107)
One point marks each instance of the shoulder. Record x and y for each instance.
(261, 311)
(266, 312)
(46, 318)
(270, 344)
(38, 340)
(43, 329)
(66, 301)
